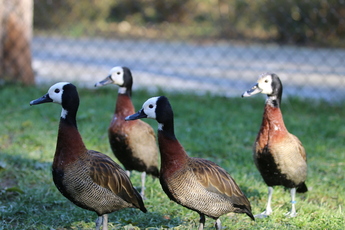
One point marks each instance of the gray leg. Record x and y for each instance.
(218, 224)
(105, 222)
(201, 222)
(268, 210)
(143, 178)
(99, 222)
(293, 212)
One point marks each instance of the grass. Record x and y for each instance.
(217, 128)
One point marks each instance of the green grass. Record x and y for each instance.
(217, 128)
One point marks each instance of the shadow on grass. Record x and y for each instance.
(151, 220)
(20, 162)
(30, 200)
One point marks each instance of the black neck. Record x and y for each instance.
(70, 119)
(168, 130)
(273, 101)
(128, 81)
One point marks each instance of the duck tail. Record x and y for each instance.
(302, 188)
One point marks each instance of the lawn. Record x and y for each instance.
(213, 127)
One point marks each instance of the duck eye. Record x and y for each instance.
(266, 81)
(118, 73)
(57, 91)
(150, 106)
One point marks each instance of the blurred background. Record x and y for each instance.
(199, 46)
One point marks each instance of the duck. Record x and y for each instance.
(134, 143)
(278, 155)
(195, 183)
(88, 178)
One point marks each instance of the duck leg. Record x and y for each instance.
(268, 210)
(293, 212)
(218, 224)
(102, 220)
(105, 222)
(99, 222)
(143, 178)
(201, 222)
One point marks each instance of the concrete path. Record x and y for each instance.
(226, 69)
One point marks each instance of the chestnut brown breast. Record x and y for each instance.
(279, 155)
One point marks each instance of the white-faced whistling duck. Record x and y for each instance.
(279, 155)
(194, 183)
(133, 143)
(90, 179)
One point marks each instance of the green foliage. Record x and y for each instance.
(152, 11)
(61, 14)
(298, 22)
(217, 128)
(303, 21)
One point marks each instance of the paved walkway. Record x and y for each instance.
(219, 68)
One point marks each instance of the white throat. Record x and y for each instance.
(64, 113)
(122, 90)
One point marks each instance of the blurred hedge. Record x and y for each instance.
(318, 22)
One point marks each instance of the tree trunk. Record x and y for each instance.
(15, 48)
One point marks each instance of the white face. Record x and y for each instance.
(150, 106)
(265, 84)
(116, 74)
(55, 92)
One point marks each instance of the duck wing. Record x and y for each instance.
(300, 147)
(214, 178)
(108, 174)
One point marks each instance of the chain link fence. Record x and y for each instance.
(196, 46)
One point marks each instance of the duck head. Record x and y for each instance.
(118, 75)
(148, 110)
(157, 108)
(269, 84)
(63, 93)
